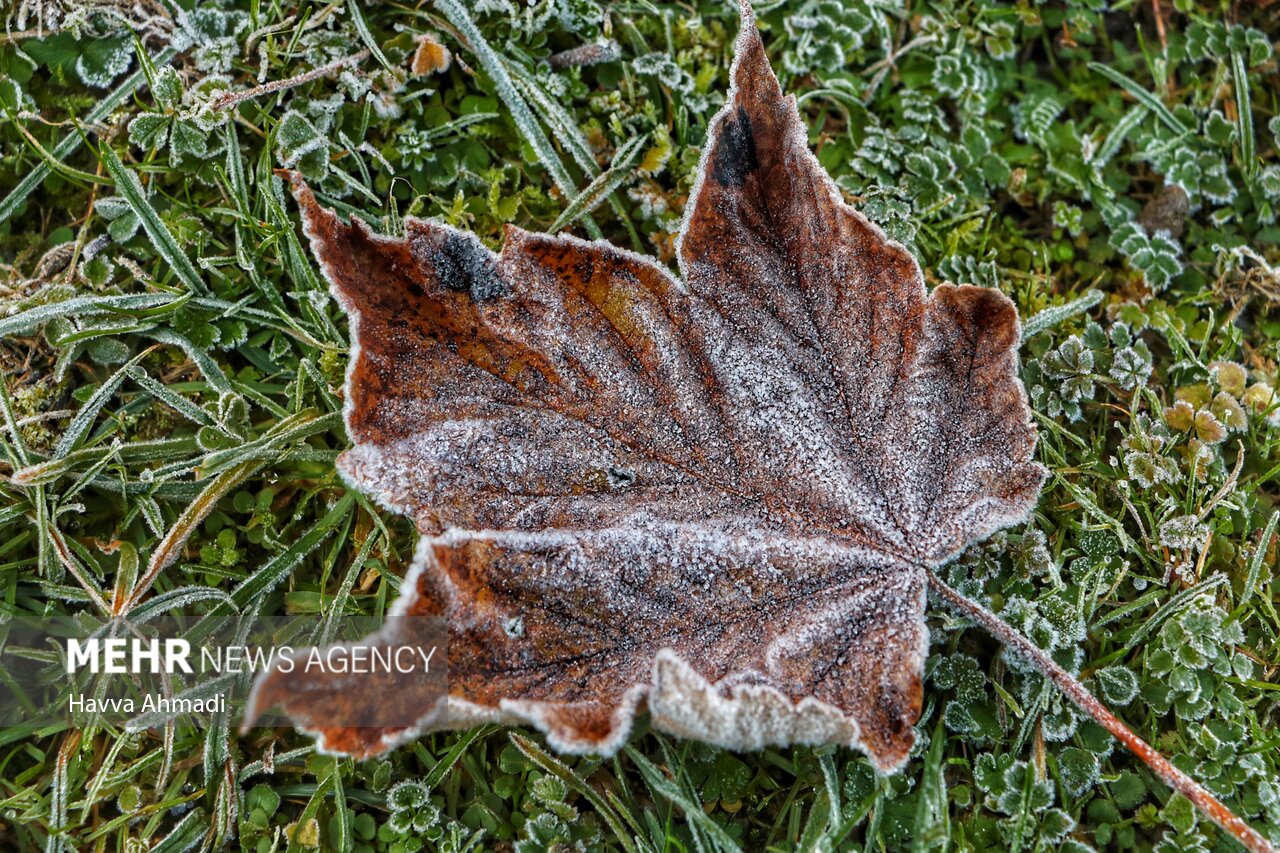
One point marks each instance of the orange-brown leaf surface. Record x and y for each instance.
(713, 498)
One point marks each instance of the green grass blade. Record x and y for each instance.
(171, 546)
(274, 570)
(200, 358)
(571, 137)
(663, 787)
(130, 189)
(1255, 563)
(1174, 605)
(88, 413)
(603, 186)
(175, 401)
(524, 120)
(1244, 115)
(1144, 97)
(559, 769)
(362, 29)
(1048, 318)
(84, 307)
(932, 820)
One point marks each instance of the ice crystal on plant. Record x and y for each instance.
(1071, 365)
(1117, 684)
(667, 71)
(963, 76)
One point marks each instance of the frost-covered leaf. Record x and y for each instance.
(300, 145)
(1269, 182)
(1022, 792)
(1079, 769)
(167, 89)
(962, 76)
(1055, 824)
(1068, 217)
(97, 270)
(124, 223)
(149, 130)
(1157, 256)
(716, 498)
(999, 40)
(825, 33)
(102, 60)
(406, 795)
(12, 97)
(1117, 684)
(1183, 533)
(187, 140)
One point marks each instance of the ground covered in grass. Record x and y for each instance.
(173, 363)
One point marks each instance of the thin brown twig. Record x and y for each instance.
(230, 99)
(1159, 14)
(22, 35)
(1204, 553)
(1228, 485)
(1087, 702)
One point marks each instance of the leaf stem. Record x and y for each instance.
(230, 99)
(1087, 702)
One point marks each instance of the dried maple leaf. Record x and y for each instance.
(718, 498)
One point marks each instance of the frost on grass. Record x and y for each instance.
(713, 499)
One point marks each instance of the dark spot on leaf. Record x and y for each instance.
(463, 263)
(735, 156)
(621, 478)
